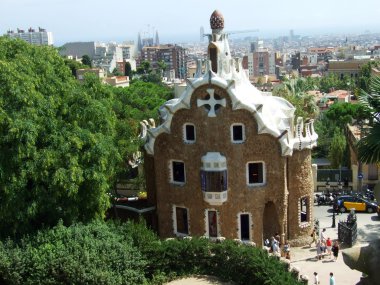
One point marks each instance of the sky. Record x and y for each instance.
(180, 21)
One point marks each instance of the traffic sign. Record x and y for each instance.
(360, 175)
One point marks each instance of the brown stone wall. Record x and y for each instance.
(214, 135)
(300, 185)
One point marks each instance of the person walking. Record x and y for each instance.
(316, 278)
(335, 250)
(319, 249)
(314, 237)
(332, 279)
(323, 235)
(329, 246)
(286, 250)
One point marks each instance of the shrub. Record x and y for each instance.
(97, 253)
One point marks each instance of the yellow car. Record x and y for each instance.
(344, 203)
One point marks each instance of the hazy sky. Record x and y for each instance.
(117, 20)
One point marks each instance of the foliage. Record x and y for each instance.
(115, 253)
(97, 253)
(369, 145)
(344, 113)
(128, 70)
(58, 153)
(295, 91)
(74, 66)
(131, 105)
(116, 72)
(147, 74)
(86, 60)
(337, 148)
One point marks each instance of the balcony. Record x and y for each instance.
(215, 198)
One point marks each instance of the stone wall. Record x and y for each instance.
(214, 135)
(300, 185)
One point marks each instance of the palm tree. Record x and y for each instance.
(369, 145)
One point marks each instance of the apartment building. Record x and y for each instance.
(32, 36)
(174, 56)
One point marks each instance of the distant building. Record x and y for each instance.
(99, 73)
(32, 36)
(78, 49)
(350, 68)
(117, 81)
(174, 56)
(260, 63)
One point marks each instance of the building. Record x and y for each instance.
(227, 161)
(35, 37)
(174, 56)
(261, 61)
(78, 49)
(350, 68)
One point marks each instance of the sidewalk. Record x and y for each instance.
(305, 257)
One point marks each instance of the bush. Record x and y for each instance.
(115, 253)
(97, 253)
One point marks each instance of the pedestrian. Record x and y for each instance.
(319, 249)
(335, 250)
(323, 235)
(332, 279)
(286, 250)
(328, 246)
(276, 248)
(323, 249)
(314, 237)
(316, 278)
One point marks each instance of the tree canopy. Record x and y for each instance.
(56, 141)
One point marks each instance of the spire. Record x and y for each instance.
(139, 44)
(157, 41)
(216, 21)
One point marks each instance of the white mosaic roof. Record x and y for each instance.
(274, 115)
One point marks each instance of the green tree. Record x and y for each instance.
(57, 141)
(144, 68)
(74, 66)
(369, 145)
(86, 60)
(162, 66)
(295, 91)
(128, 70)
(337, 148)
(116, 72)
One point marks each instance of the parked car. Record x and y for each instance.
(347, 202)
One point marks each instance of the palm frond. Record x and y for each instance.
(369, 146)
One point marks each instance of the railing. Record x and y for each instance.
(215, 198)
(347, 233)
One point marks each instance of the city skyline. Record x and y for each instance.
(118, 20)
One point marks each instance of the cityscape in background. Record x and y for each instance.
(265, 59)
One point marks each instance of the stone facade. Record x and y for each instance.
(227, 161)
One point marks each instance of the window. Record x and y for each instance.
(255, 173)
(212, 220)
(214, 181)
(181, 221)
(189, 133)
(244, 224)
(178, 171)
(304, 209)
(237, 133)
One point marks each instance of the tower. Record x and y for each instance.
(157, 41)
(139, 43)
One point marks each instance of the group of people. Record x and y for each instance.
(324, 245)
(274, 246)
